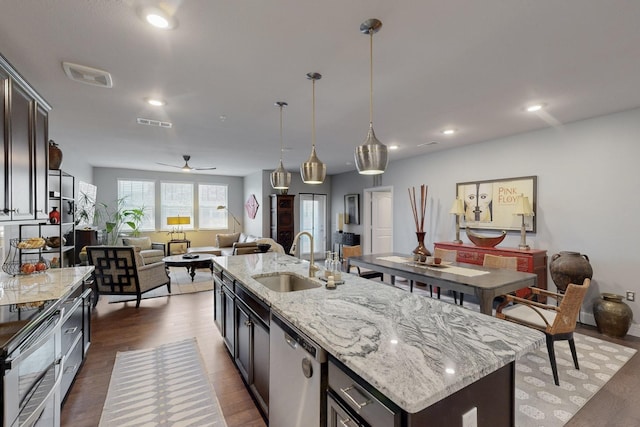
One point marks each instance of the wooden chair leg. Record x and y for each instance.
(138, 298)
(572, 346)
(455, 297)
(461, 298)
(431, 291)
(438, 290)
(552, 359)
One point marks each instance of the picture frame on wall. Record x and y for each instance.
(352, 209)
(490, 204)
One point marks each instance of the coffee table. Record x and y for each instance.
(202, 261)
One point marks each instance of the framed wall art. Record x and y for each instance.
(352, 209)
(490, 205)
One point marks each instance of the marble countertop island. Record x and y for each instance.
(413, 349)
(53, 284)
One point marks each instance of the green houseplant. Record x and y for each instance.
(113, 215)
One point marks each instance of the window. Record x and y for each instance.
(313, 218)
(210, 196)
(139, 194)
(176, 199)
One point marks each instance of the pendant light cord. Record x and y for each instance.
(371, 77)
(313, 112)
(281, 146)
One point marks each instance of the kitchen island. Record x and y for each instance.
(412, 350)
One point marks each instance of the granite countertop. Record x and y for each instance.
(413, 349)
(53, 284)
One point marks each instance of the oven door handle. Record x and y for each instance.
(50, 330)
(37, 412)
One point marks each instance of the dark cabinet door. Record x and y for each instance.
(41, 156)
(5, 202)
(260, 386)
(229, 324)
(218, 306)
(21, 149)
(244, 343)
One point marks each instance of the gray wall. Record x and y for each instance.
(587, 173)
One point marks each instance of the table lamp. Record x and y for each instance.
(222, 207)
(177, 222)
(457, 209)
(523, 207)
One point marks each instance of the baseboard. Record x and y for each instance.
(587, 318)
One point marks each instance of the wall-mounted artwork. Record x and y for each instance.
(252, 206)
(352, 209)
(490, 205)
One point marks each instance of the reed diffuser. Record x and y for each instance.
(421, 252)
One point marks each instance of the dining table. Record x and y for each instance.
(485, 283)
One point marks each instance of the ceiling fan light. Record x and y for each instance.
(313, 171)
(280, 178)
(371, 157)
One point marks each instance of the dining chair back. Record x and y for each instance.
(352, 251)
(497, 261)
(558, 322)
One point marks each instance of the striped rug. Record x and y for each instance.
(161, 386)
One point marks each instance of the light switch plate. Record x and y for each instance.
(470, 418)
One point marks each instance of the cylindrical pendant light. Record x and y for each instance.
(280, 178)
(313, 170)
(371, 156)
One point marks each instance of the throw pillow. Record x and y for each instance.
(245, 245)
(143, 243)
(226, 240)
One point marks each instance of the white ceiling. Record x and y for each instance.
(468, 64)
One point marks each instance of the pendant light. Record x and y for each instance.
(280, 178)
(371, 156)
(313, 170)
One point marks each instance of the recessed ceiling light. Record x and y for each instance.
(158, 18)
(393, 147)
(534, 108)
(222, 118)
(448, 131)
(156, 102)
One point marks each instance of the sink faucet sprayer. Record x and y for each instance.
(292, 251)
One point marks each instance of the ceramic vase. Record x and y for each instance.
(613, 317)
(54, 216)
(569, 267)
(421, 252)
(55, 156)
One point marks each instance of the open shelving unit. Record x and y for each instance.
(61, 196)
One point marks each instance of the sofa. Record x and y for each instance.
(150, 251)
(232, 243)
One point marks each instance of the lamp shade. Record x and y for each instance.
(280, 178)
(457, 208)
(178, 220)
(313, 171)
(371, 157)
(523, 207)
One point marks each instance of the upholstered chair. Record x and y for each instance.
(120, 270)
(350, 251)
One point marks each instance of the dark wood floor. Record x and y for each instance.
(122, 327)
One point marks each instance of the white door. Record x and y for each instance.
(381, 236)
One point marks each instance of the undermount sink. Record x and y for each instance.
(286, 282)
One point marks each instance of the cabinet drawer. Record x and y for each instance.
(72, 363)
(360, 400)
(72, 326)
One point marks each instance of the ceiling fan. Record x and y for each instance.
(186, 167)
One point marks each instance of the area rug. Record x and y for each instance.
(180, 284)
(540, 403)
(161, 386)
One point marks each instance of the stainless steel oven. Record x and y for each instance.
(32, 371)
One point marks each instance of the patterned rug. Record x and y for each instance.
(540, 403)
(161, 386)
(180, 284)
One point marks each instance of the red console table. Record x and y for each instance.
(531, 261)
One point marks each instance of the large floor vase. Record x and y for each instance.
(569, 267)
(613, 316)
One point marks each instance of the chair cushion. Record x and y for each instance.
(143, 243)
(527, 315)
(245, 245)
(152, 255)
(226, 240)
(137, 253)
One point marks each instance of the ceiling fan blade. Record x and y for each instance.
(204, 169)
(166, 164)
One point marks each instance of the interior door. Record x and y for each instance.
(313, 219)
(381, 237)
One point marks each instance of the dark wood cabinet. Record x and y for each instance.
(531, 261)
(282, 219)
(24, 146)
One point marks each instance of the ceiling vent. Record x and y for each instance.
(151, 122)
(88, 75)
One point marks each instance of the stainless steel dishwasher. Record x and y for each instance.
(297, 377)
